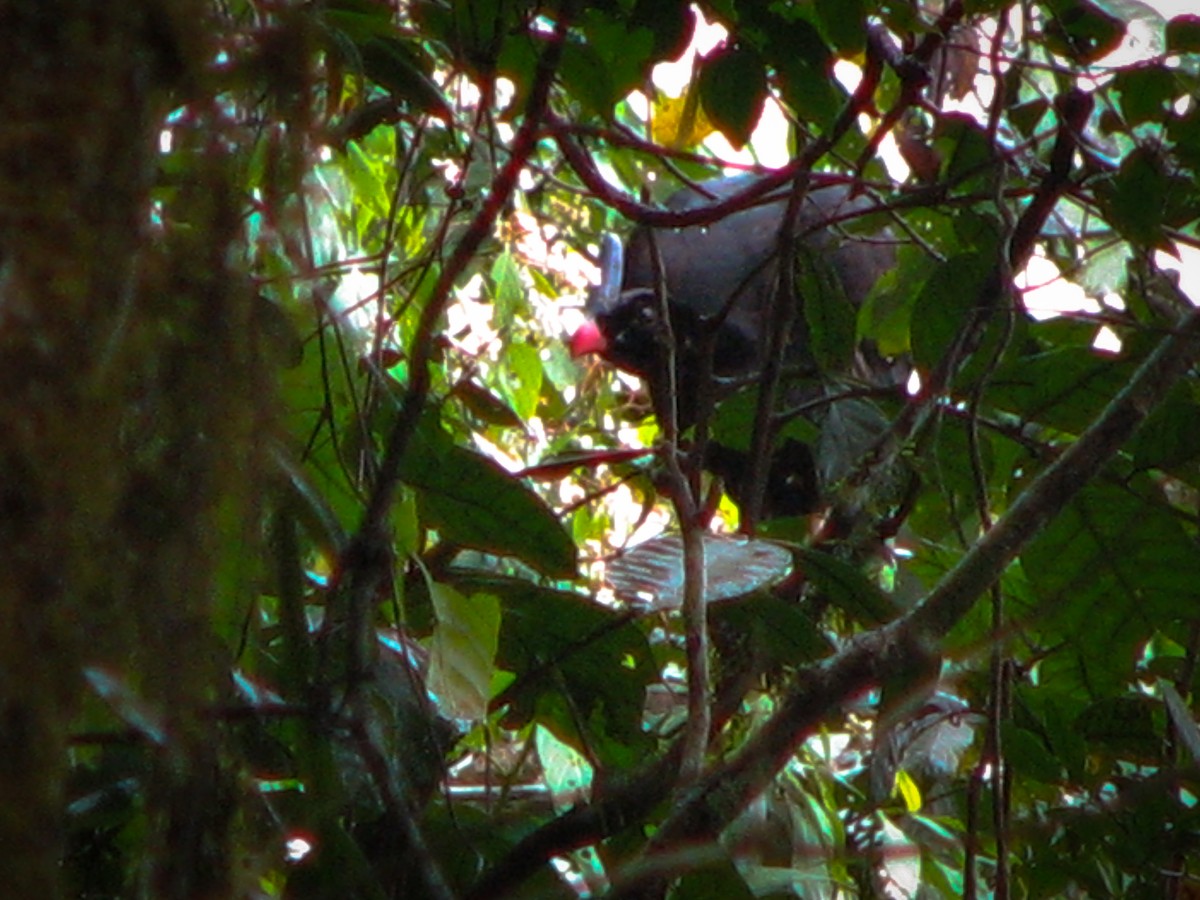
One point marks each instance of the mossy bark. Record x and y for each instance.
(130, 401)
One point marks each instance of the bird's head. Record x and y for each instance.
(621, 325)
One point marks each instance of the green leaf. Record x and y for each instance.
(1027, 116)
(476, 32)
(402, 68)
(1184, 132)
(472, 501)
(1082, 31)
(576, 664)
(406, 524)
(1123, 726)
(949, 296)
(1109, 570)
(851, 427)
(1169, 438)
(1136, 197)
(846, 587)
(462, 651)
(565, 770)
(718, 880)
(804, 64)
(733, 422)
(306, 390)
(964, 144)
(609, 62)
(516, 61)
(830, 317)
(367, 177)
(508, 294)
(672, 23)
(950, 467)
(486, 406)
(733, 89)
(1146, 93)
(1064, 387)
(941, 878)
(908, 791)
(523, 368)
(1029, 755)
(311, 507)
(1049, 714)
(781, 632)
(844, 23)
(886, 316)
(359, 18)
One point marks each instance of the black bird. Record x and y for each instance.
(719, 280)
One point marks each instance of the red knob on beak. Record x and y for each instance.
(588, 339)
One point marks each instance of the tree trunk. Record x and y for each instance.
(126, 386)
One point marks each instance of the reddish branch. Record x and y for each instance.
(881, 655)
(366, 561)
(422, 346)
(655, 216)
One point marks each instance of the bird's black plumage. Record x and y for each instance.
(719, 280)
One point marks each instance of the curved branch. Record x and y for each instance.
(882, 654)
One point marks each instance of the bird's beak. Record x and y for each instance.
(588, 338)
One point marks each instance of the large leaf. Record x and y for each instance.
(804, 63)
(1136, 198)
(1169, 438)
(609, 63)
(1082, 31)
(1110, 570)
(523, 378)
(403, 69)
(851, 427)
(671, 22)
(1064, 387)
(652, 574)
(830, 316)
(1146, 93)
(953, 291)
(472, 501)
(846, 587)
(463, 650)
(844, 23)
(779, 631)
(963, 144)
(576, 664)
(733, 89)
(564, 769)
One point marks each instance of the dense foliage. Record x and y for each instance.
(313, 521)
